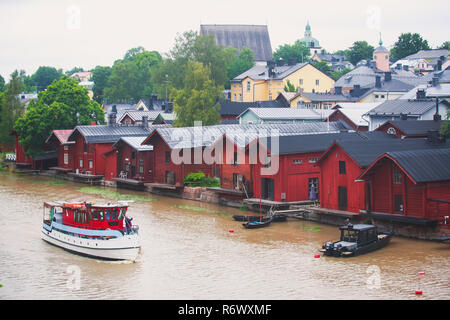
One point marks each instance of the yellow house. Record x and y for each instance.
(263, 83)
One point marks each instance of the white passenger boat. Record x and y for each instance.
(99, 231)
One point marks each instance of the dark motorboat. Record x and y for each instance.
(355, 240)
(278, 218)
(258, 224)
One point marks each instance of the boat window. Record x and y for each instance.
(100, 214)
(349, 235)
(114, 214)
(83, 217)
(122, 213)
(107, 214)
(94, 214)
(371, 234)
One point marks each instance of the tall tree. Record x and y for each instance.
(199, 99)
(64, 105)
(12, 108)
(2, 83)
(241, 63)
(407, 44)
(358, 51)
(44, 76)
(100, 76)
(130, 78)
(298, 52)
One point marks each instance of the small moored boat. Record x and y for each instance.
(99, 231)
(258, 224)
(355, 240)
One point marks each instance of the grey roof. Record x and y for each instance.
(254, 37)
(241, 134)
(443, 76)
(328, 97)
(321, 142)
(439, 91)
(428, 54)
(259, 72)
(137, 115)
(403, 106)
(235, 108)
(365, 152)
(365, 77)
(331, 57)
(288, 113)
(110, 133)
(381, 49)
(416, 127)
(424, 165)
(135, 143)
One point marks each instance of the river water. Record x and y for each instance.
(188, 253)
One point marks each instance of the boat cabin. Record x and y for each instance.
(359, 233)
(89, 216)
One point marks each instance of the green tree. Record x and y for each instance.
(323, 66)
(358, 51)
(130, 54)
(45, 76)
(289, 87)
(64, 105)
(12, 108)
(130, 79)
(190, 47)
(199, 99)
(2, 83)
(298, 52)
(100, 76)
(407, 44)
(242, 63)
(339, 73)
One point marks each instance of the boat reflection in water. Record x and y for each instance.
(96, 231)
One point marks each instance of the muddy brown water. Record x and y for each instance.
(188, 253)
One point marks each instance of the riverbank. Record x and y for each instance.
(400, 225)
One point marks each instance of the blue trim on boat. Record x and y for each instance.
(84, 232)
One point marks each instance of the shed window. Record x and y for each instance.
(141, 168)
(313, 160)
(297, 161)
(397, 176)
(167, 156)
(342, 169)
(248, 86)
(398, 203)
(91, 164)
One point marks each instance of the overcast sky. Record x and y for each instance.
(83, 33)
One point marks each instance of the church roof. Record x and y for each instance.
(254, 37)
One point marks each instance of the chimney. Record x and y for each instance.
(398, 66)
(169, 107)
(420, 94)
(439, 65)
(378, 82)
(270, 66)
(338, 90)
(356, 90)
(113, 116)
(403, 116)
(435, 81)
(145, 122)
(387, 76)
(406, 68)
(292, 61)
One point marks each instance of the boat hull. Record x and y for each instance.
(124, 248)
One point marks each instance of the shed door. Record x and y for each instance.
(267, 188)
(342, 198)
